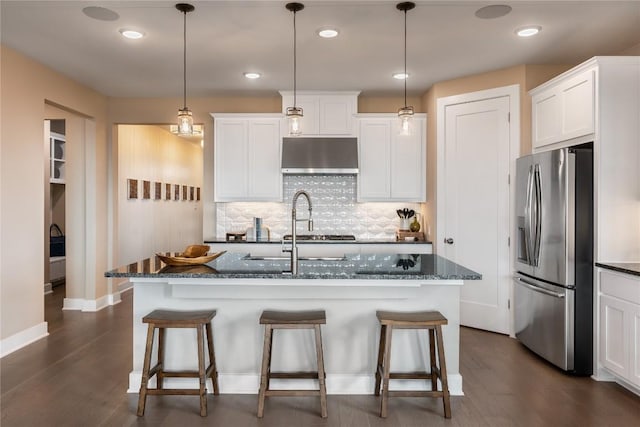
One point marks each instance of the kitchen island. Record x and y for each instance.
(350, 289)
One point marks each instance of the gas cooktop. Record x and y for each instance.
(332, 237)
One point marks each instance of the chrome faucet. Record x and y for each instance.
(294, 220)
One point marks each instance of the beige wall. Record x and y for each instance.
(26, 85)
(148, 226)
(527, 76)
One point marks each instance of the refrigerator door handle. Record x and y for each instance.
(537, 289)
(527, 217)
(538, 215)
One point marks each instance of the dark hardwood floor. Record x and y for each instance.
(78, 376)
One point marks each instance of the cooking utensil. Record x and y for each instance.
(399, 212)
(411, 213)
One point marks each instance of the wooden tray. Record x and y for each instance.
(179, 260)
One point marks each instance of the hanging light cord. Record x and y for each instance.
(184, 61)
(294, 59)
(405, 58)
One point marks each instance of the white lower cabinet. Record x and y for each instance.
(392, 166)
(247, 157)
(620, 325)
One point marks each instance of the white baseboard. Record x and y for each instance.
(90, 305)
(336, 384)
(23, 338)
(48, 288)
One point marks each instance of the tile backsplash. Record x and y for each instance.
(335, 210)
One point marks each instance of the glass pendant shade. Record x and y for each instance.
(405, 114)
(294, 116)
(185, 122)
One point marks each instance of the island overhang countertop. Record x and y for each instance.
(350, 267)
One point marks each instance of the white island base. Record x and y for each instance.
(350, 336)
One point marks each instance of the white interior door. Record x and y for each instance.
(477, 207)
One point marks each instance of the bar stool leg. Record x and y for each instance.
(142, 398)
(160, 371)
(381, 347)
(321, 375)
(270, 353)
(443, 374)
(432, 358)
(386, 372)
(212, 359)
(202, 373)
(264, 374)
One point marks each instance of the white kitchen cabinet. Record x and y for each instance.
(57, 146)
(620, 325)
(564, 110)
(324, 113)
(247, 151)
(392, 166)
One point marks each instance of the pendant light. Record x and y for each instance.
(185, 117)
(294, 114)
(405, 114)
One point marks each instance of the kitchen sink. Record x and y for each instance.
(288, 258)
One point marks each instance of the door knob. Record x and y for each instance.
(448, 241)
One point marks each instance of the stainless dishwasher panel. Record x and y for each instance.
(544, 319)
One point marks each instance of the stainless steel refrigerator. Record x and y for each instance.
(553, 291)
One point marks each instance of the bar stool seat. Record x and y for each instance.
(430, 320)
(161, 320)
(291, 320)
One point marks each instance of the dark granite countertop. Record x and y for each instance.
(351, 267)
(632, 268)
(315, 242)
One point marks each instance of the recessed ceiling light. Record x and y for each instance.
(252, 75)
(100, 13)
(401, 76)
(131, 34)
(327, 32)
(493, 11)
(528, 31)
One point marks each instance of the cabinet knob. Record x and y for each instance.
(448, 241)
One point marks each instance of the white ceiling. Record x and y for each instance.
(226, 38)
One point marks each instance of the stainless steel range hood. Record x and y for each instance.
(319, 155)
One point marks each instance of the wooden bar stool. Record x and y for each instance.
(431, 320)
(291, 320)
(163, 319)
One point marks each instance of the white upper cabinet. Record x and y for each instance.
(247, 151)
(564, 110)
(57, 148)
(392, 166)
(324, 113)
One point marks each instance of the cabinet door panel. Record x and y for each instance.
(614, 349)
(407, 158)
(578, 106)
(635, 346)
(230, 159)
(265, 178)
(336, 115)
(546, 124)
(373, 152)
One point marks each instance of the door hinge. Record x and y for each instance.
(509, 304)
(509, 179)
(509, 117)
(509, 241)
